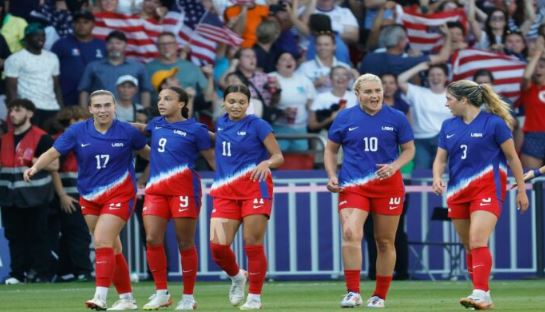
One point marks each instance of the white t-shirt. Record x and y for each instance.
(127, 114)
(296, 91)
(314, 69)
(428, 111)
(34, 75)
(326, 99)
(340, 18)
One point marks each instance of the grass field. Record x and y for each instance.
(285, 296)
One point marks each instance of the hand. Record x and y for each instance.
(385, 171)
(522, 201)
(68, 203)
(208, 70)
(438, 186)
(444, 30)
(333, 185)
(529, 175)
(27, 175)
(498, 47)
(261, 172)
(191, 92)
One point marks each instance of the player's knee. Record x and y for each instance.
(103, 243)
(476, 242)
(185, 244)
(152, 239)
(384, 244)
(251, 240)
(352, 235)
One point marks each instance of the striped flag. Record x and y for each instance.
(141, 34)
(211, 27)
(422, 29)
(182, 20)
(507, 70)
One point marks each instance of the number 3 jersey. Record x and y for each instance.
(175, 148)
(239, 149)
(105, 160)
(477, 165)
(369, 140)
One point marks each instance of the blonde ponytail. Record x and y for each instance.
(496, 106)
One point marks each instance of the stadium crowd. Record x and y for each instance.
(298, 58)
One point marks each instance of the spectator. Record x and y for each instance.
(265, 49)
(25, 205)
(57, 17)
(392, 96)
(319, 23)
(22, 8)
(394, 38)
(327, 105)
(127, 88)
(287, 18)
(163, 79)
(428, 109)
(33, 73)
(244, 18)
(255, 107)
(295, 100)
(457, 36)
(13, 29)
(516, 45)
(495, 29)
(103, 74)
(343, 21)
(317, 70)
(75, 52)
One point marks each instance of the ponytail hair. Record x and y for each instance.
(479, 94)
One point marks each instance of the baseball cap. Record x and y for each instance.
(159, 76)
(33, 28)
(127, 78)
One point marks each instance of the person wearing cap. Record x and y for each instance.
(127, 88)
(343, 20)
(75, 52)
(165, 78)
(103, 74)
(33, 73)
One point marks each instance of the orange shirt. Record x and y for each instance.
(254, 17)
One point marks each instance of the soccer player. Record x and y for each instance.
(477, 144)
(174, 191)
(370, 134)
(242, 193)
(106, 183)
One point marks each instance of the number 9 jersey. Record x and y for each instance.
(105, 160)
(477, 165)
(239, 149)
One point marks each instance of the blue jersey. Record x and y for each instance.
(239, 149)
(477, 165)
(105, 161)
(174, 149)
(368, 140)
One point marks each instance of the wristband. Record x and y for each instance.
(537, 173)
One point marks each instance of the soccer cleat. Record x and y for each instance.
(187, 303)
(351, 300)
(96, 304)
(251, 304)
(478, 300)
(12, 281)
(124, 305)
(236, 292)
(158, 301)
(375, 302)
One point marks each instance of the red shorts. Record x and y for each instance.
(392, 205)
(168, 207)
(237, 209)
(122, 208)
(464, 210)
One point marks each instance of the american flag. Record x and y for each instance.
(182, 20)
(421, 28)
(211, 27)
(507, 70)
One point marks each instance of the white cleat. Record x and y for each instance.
(157, 301)
(12, 281)
(236, 292)
(251, 304)
(187, 303)
(124, 305)
(375, 302)
(351, 300)
(96, 304)
(478, 300)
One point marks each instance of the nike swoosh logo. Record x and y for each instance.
(84, 145)
(485, 204)
(393, 207)
(352, 128)
(450, 136)
(257, 207)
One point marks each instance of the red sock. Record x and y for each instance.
(225, 258)
(157, 262)
(469, 262)
(482, 265)
(190, 266)
(382, 285)
(352, 280)
(121, 278)
(104, 266)
(257, 268)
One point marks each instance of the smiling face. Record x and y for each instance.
(437, 77)
(102, 107)
(236, 104)
(370, 95)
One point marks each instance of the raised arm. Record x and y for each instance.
(532, 63)
(444, 53)
(404, 77)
